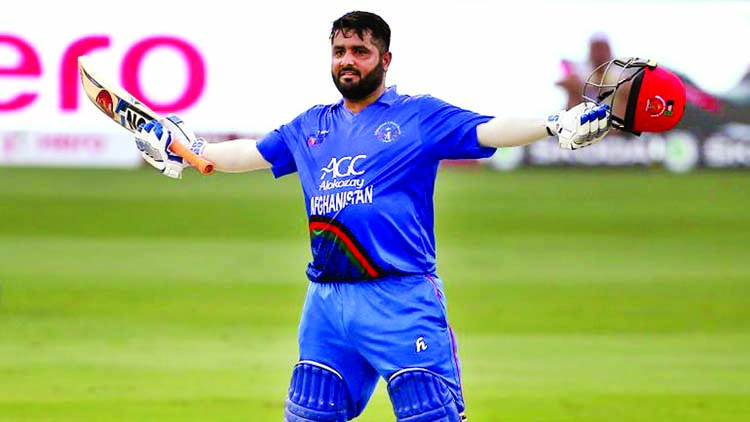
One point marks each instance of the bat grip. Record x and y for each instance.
(204, 166)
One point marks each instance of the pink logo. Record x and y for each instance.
(29, 65)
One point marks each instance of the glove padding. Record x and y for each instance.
(581, 126)
(181, 132)
(154, 138)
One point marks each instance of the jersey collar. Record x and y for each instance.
(389, 96)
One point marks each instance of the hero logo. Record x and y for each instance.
(29, 65)
(339, 168)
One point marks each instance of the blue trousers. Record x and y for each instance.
(372, 329)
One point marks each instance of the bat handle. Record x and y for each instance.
(204, 166)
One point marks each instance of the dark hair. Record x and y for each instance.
(361, 22)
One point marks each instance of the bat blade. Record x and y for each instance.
(127, 111)
(117, 104)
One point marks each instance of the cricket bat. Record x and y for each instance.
(128, 112)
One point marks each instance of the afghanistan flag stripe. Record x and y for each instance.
(324, 224)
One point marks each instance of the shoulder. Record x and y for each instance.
(416, 98)
(413, 101)
(317, 110)
(428, 105)
(311, 116)
(421, 103)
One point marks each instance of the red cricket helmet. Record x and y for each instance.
(643, 97)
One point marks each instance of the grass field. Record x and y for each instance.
(576, 295)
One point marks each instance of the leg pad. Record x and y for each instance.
(317, 393)
(419, 395)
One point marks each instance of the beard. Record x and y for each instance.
(357, 91)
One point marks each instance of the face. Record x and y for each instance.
(357, 68)
(599, 52)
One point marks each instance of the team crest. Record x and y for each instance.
(317, 138)
(388, 132)
(655, 106)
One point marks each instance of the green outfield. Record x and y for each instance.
(576, 295)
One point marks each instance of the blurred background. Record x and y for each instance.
(244, 71)
(610, 283)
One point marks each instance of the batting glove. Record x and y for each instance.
(184, 135)
(153, 140)
(581, 126)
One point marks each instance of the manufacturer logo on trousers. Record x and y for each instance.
(421, 345)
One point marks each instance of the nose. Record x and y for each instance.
(347, 58)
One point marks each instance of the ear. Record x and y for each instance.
(386, 60)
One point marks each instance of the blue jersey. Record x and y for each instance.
(368, 180)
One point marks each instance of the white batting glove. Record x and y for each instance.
(182, 134)
(581, 126)
(153, 140)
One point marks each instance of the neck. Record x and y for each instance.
(357, 106)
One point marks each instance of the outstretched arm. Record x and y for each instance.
(155, 137)
(503, 132)
(235, 156)
(576, 128)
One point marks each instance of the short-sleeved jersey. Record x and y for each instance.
(368, 180)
